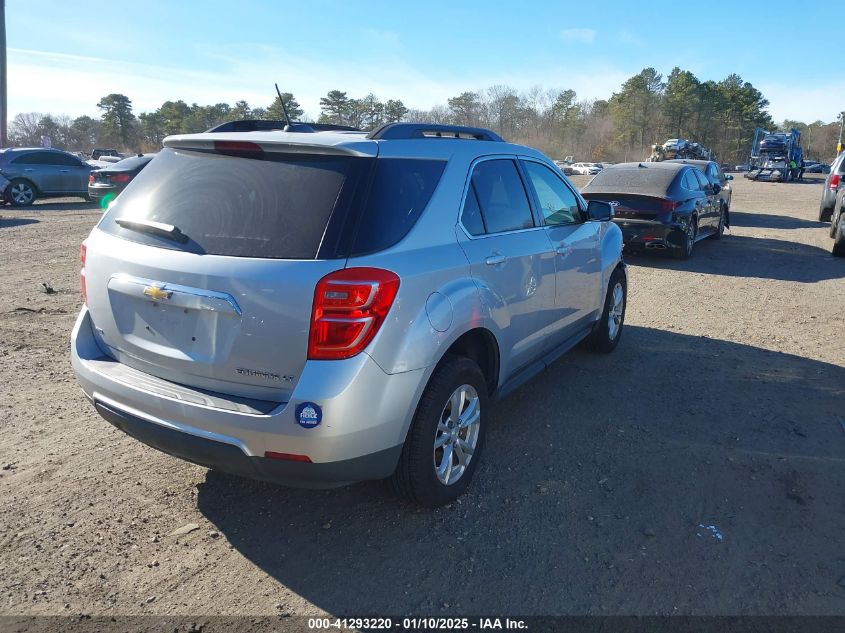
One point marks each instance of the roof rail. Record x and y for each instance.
(395, 131)
(266, 125)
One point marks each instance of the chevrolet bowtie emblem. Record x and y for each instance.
(157, 294)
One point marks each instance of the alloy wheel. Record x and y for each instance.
(617, 311)
(21, 193)
(456, 437)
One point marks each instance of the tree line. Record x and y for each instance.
(647, 109)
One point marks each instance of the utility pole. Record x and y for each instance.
(841, 120)
(4, 113)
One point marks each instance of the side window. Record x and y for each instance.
(29, 159)
(689, 182)
(501, 196)
(66, 160)
(557, 202)
(471, 215)
(702, 179)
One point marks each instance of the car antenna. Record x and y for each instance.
(284, 107)
(291, 127)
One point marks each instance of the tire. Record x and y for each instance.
(21, 193)
(608, 330)
(720, 231)
(838, 249)
(423, 464)
(825, 213)
(834, 221)
(685, 252)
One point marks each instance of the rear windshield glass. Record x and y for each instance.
(644, 180)
(276, 207)
(400, 190)
(133, 162)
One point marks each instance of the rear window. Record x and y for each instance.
(276, 207)
(642, 180)
(133, 162)
(400, 190)
(282, 206)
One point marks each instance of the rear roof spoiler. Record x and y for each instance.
(396, 131)
(267, 125)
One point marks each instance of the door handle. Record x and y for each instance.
(64, 171)
(492, 260)
(564, 250)
(28, 169)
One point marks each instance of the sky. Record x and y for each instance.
(63, 56)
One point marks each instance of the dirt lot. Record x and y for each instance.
(697, 470)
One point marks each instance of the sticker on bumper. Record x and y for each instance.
(309, 415)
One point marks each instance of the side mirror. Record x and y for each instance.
(728, 177)
(598, 210)
(716, 188)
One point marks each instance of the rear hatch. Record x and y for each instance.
(203, 270)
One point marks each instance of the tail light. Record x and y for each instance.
(350, 306)
(91, 179)
(669, 205)
(834, 182)
(83, 253)
(120, 178)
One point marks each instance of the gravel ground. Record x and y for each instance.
(697, 470)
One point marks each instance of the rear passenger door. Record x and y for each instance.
(511, 260)
(709, 217)
(576, 245)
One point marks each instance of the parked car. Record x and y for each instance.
(716, 177)
(565, 167)
(494, 268)
(585, 169)
(837, 224)
(666, 206)
(832, 184)
(111, 180)
(37, 172)
(813, 167)
(743, 167)
(99, 152)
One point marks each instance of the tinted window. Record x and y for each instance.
(36, 158)
(557, 202)
(501, 196)
(277, 207)
(66, 160)
(133, 162)
(400, 190)
(471, 215)
(689, 182)
(702, 179)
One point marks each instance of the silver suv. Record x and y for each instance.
(316, 308)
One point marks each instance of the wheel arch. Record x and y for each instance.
(479, 345)
(28, 181)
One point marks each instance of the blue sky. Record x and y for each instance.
(64, 55)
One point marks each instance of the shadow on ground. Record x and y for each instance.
(598, 477)
(50, 205)
(761, 257)
(6, 223)
(770, 221)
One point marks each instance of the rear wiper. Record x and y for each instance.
(159, 229)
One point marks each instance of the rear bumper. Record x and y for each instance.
(229, 458)
(647, 234)
(365, 417)
(97, 192)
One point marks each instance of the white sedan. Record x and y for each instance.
(586, 169)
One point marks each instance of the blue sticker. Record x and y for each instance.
(309, 415)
